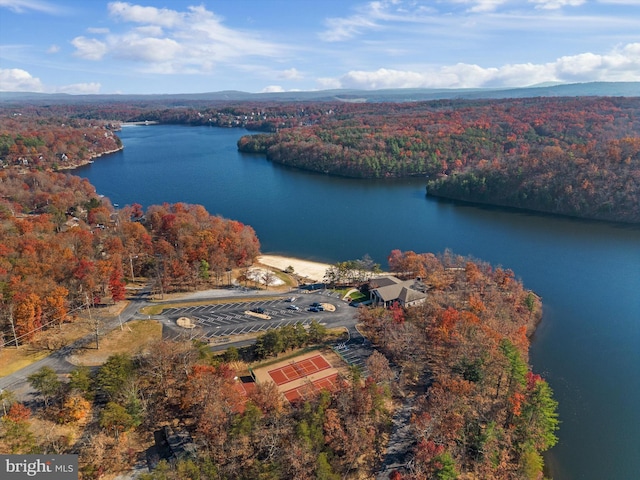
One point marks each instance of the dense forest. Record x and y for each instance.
(571, 156)
(63, 246)
(460, 359)
(484, 413)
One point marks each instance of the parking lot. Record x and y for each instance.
(223, 320)
(355, 355)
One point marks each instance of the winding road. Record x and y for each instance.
(344, 316)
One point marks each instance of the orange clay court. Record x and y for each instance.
(301, 378)
(308, 390)
(296, 370)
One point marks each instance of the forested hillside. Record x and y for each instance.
(461, 359)
(63, 246)
(572, 156)
(31, 140)
(485, 414)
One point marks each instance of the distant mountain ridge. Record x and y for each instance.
(605, 89)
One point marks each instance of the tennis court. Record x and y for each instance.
(304, 376)
(307, 390)
(296, 370)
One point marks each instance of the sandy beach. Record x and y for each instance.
(314, 271)
(310, 271)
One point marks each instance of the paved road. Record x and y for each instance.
(213, 321)
(17, 382)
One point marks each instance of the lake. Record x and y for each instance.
(588, 273)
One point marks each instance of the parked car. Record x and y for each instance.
(315, 309)
(316, 304)
(257, 310)
(293, 307)
(290, 299)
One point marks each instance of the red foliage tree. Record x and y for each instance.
(117, 284)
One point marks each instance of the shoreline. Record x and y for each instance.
(314, 271)
(90, 160)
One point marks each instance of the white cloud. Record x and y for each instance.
(167, 41)
(18, 80)
(486, 5)
(150, 30)
(483, 6)
(89, 48)
(79, 88)
(555, 4)
(340, 29)
(443, 17)
(22, 6)
(291, 74)
(577, 65)
(383, 78)
(327, 83)
(634, 3)
(521, 74)
(374, 15)
(621, 64)
(148, 50)
(479, 6)
(150, 15)
(273, 89)
(53, 49)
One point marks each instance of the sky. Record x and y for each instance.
(176, 46)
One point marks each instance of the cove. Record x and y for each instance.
(588, 273)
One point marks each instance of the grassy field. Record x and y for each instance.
(12, 359)
(133, 338)
(44, 344)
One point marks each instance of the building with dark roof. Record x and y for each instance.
(385, 291)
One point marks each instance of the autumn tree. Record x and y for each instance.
(55, 306)
(211, 398)
(378, 367)
(27, 316)
(75, 408)
(117, 284)
(16, 436)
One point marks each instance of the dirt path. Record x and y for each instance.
(400, 443)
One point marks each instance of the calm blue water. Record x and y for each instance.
(588, 273)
